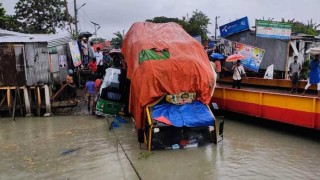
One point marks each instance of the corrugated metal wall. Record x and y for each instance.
(276, 51)
(37, 64)
(59, 72)
(12, 65)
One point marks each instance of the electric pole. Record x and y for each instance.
(216, 27)
(75, 15)
(67, 14)
(95, 28)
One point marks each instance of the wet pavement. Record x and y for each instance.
(32, 148)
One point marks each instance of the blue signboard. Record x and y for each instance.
(234, 27)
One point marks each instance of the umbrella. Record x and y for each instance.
(115, 51)
(217, 56)
(313, 51)
(85, 34)
(235, 57)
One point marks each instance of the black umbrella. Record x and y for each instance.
(85, 34)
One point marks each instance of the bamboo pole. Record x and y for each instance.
(14, 104)
(9, 100)
(38, 100)
(27, 101)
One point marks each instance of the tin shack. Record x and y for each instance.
(24, 61)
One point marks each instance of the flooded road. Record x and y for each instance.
(32, 148)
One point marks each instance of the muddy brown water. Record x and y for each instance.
(31, 148)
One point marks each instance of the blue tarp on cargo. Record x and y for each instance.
(194, 114)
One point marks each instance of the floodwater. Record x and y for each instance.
(31, 148)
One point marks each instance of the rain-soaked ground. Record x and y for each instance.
(31, 148)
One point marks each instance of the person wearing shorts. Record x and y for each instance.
(294, 70)
(90, 94)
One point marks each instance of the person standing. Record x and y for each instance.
(99, 58)
(85, 51)
(294, 71)
(314, 75)
(91, 51)
(89, 92)
(238, 72)
(93, 65)
(106, 60)
(71, 88)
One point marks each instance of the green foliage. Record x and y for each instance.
(40, 16)
(305, 70)
(8, 22)
(299, 27)
(98, 40)
(196, 25)
(117, 41)
(163, 19)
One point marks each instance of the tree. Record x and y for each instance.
(3, 17)
(40, 16)
(117, 41)
(300, 27)
(8, 22)
(196, 25)
(163, 19)
(98, 40)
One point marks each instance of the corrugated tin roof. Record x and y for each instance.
(55, 39)
(20, 39)
(52, 39)
(9, 33)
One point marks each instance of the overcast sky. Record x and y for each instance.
(118, 15)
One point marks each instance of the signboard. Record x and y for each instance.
(226, 46)
(253, 55)
(234, 27)
(62, 61)
(75, 53)
(273, 29)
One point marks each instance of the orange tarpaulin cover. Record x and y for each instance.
(186, 70)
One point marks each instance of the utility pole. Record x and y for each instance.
(95, 28)
(216, 27)
(76, 16)
(67, 14)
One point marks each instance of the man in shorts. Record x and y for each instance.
(294, 70)
(89, 92)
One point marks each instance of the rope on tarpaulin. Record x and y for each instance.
(123, 150)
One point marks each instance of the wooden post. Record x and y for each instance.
(286, 75)
(9, 100)
(27, 101)
(47, 100)
(14, 104)
(38, 100)
(19, 99)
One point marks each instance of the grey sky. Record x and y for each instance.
(118, 15)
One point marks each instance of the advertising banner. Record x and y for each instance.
(234, 27)
(226, 46)
(273, 29)
(253, 55)
(75, 53)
